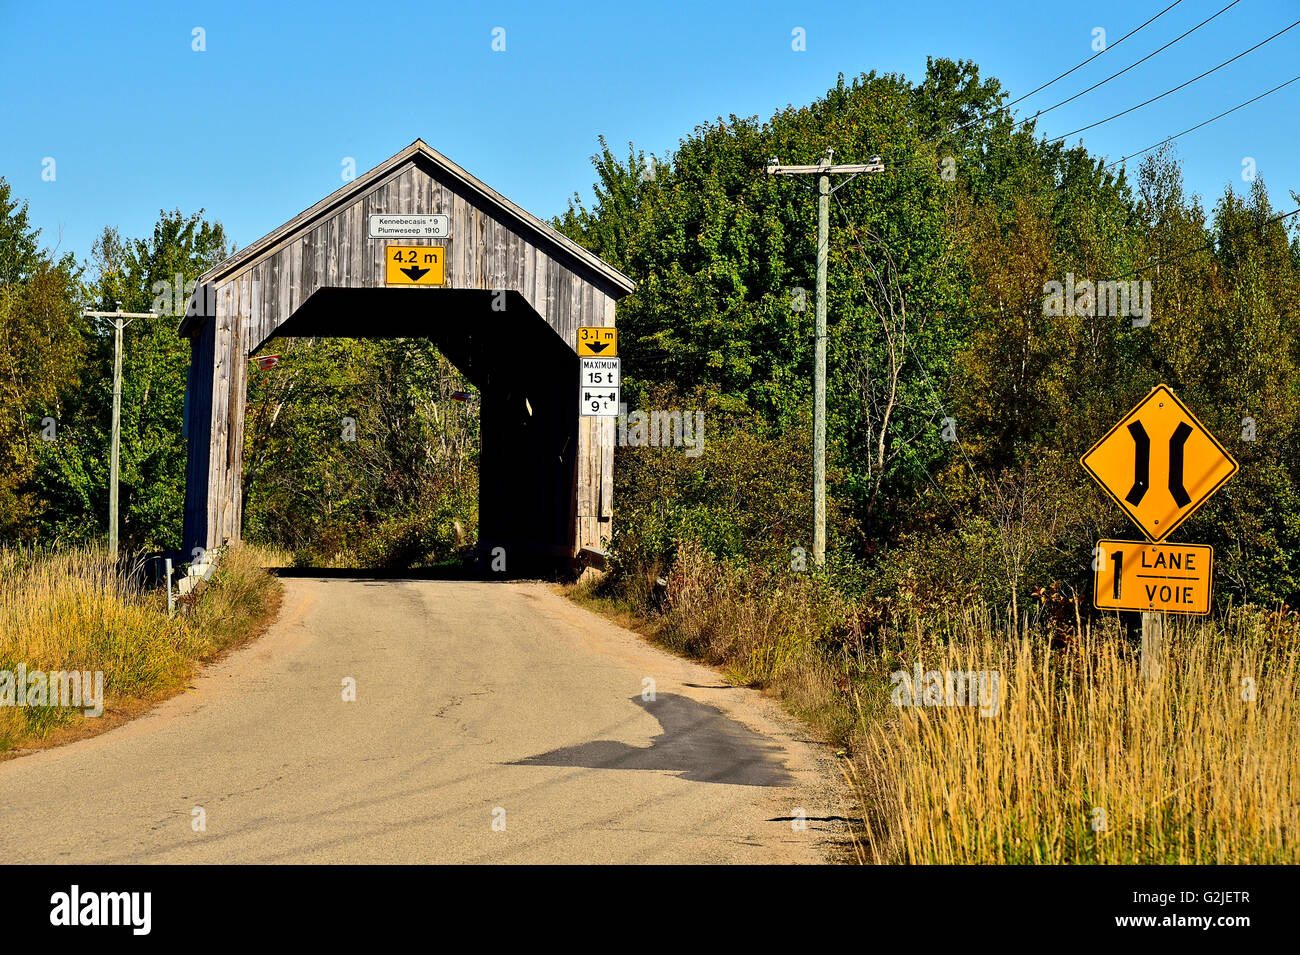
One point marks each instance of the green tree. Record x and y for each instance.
(138, 275)
(41, 344)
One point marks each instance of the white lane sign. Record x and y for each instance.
(385, 226)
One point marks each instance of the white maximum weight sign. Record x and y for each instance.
(598, 402)
(600, 372)
(598, 387)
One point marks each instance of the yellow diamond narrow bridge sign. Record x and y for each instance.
(1159, 463)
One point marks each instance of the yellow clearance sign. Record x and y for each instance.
(596, 341)
(1159, 463)
(414, 265)
(1157, 578)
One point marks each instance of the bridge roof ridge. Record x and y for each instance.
(270, 243)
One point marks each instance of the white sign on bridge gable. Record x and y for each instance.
(394, 226)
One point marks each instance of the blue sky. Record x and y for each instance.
(256, 127)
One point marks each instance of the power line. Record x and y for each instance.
(1166, 140)
(929, 166)
(980, 119)
(1176, 88)
(1191, 250)
(1192, 129)
(1094, 86)
(1211, 243)
(905, 168)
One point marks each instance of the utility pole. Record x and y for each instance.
(118, 325)
(823, 171)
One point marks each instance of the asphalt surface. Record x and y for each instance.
(493, 722)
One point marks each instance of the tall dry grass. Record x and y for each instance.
(1186, 769)
(1088, 762)
(77, 609)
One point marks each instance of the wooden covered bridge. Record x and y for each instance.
(500, 292)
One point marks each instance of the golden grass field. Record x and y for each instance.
(1085, 761)
(1088, 762)
(76, 609)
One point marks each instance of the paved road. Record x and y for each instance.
(476, 702)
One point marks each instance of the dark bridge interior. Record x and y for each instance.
(529, 416)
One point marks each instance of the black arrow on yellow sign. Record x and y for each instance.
(415, 272)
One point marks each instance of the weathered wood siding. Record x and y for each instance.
(488, 248)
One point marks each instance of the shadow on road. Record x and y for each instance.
(698, 743)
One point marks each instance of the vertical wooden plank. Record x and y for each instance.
(605, 465)
(244, 290)
(283, 284)
(342, 237)
(528, 271)
(298, 258)
(473, 249)
(406, 191)
(501, 259)
(463, 241)
(255, 298)
(318, 243)
(513, 265)
(271, 292)
(568, 306)
(552, 300)
(361, 263)
(541, 286)
(307, 268)
(378, 201)
(235, 420)
(483, 248)
(220, 410)
(423, 189)
(331, 277)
